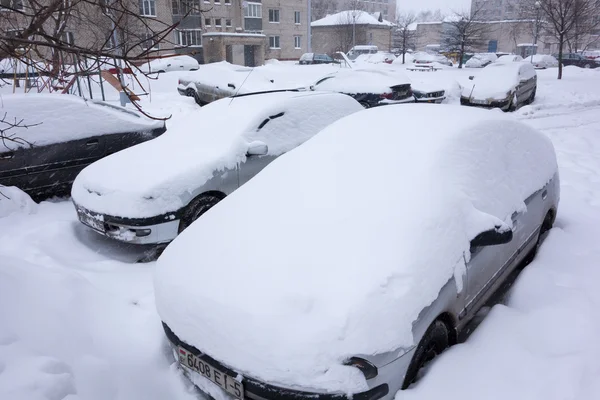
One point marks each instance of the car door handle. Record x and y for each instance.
(544, 194)
(7, 156)
(93, 142)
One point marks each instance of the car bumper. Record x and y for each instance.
(387, 102)
(435, 100)
(257, 390)
(502, 104)
(154, 230)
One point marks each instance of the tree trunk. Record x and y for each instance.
(461, 55)
(561, 43)
(403, 48)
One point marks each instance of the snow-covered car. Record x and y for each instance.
(508, 58)
(501, 85)
(370, 87)
(334, 295)
(168, 64)
(312, 58)
(361, 49)
(218, 80)
(578, 60)
(408, 59)
(377, 58)
(149, 193)
(542, 61)
(50, 144)
(423, 58)
(481, 60)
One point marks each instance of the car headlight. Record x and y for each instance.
(367, 368)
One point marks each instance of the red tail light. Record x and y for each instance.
(386, 96)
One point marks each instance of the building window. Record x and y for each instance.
(148, 8)
(228, 23)
(8, 5)
(297, 17)
(68, 38)
(227, 2)
(149, 43)
(297, 42)
(274, 42)
(217, 21)
(217, 1)
(186, 7)
(207, 22)
(273, 15)
(188, 37)
(253, 10)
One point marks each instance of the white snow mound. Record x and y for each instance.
(13, 199)
(334, 249)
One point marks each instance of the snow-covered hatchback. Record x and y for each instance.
(147, 194)
(347, 264)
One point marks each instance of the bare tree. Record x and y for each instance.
(430, 16)
(465, 31)
(406, 32)
(570, 22)
(321, 8)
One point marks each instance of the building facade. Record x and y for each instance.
(321, 8)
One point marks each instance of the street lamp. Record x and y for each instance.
(354, 28)
(536, 30)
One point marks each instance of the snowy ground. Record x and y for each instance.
(78, 318)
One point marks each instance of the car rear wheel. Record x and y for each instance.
(544, 229)
(433, 343)
(196, 208)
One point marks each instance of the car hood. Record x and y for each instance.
(488, 90)
(151, 178)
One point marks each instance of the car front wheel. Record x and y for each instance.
(196, 209)
(433, 343)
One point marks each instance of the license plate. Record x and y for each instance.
(92, 222)
(475, 101)
(226, 382)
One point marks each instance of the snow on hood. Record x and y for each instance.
(362, 81)
(299, 269)
(221, 74)
(57, 118)
(495, 81)
(161, 175)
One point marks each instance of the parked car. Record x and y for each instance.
(150, 193)
(219, 80)
(361, 49)
(423, 58)
(44, 158)
(506, 86)
(352, 295)
(313, 58)
(508, 58)
(542, 61)
(578, 60)
(168, 64)
(369, 87)
(481, 60)
(377, 58)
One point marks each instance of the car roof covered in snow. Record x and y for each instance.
(57, 118)
(212, 138)
(364, 80)
(299, 269)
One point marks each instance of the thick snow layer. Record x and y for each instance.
(14, 200)
(317, 283)
(377, 58)
(362, 81)
(350, 17)
(542, 61)
(509, 58)
(55, 118)
(177, 63)
(479, 59)
(211, 139)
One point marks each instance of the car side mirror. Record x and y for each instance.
(257, 148)
(471, 77)
(231, 85)
(493, 237)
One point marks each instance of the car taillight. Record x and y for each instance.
(179, 81)
(386, 96)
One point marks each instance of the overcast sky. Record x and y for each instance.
(444, 5)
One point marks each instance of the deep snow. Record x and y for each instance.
(79, 322)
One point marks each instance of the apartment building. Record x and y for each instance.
(321, 8)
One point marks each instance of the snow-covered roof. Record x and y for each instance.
(362, 81)
(55, 118)
(350, 17)
(297, 271)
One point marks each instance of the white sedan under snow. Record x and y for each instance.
(168, 64)
(343, 267)
(149, 193)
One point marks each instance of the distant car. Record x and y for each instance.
(578, 60)
(313, 58)
(480, 60)
(369, 87)
(508, 58)
(377, 58)
(44, 158)
(150, 193)
(422, 58)
(334, 293)
(506, 86)
(218, 80)
(542, 61)
(361, 49)
(168, 64)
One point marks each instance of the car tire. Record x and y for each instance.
(196, 209)
(435, 340)
(532, 96)
(587, 66)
